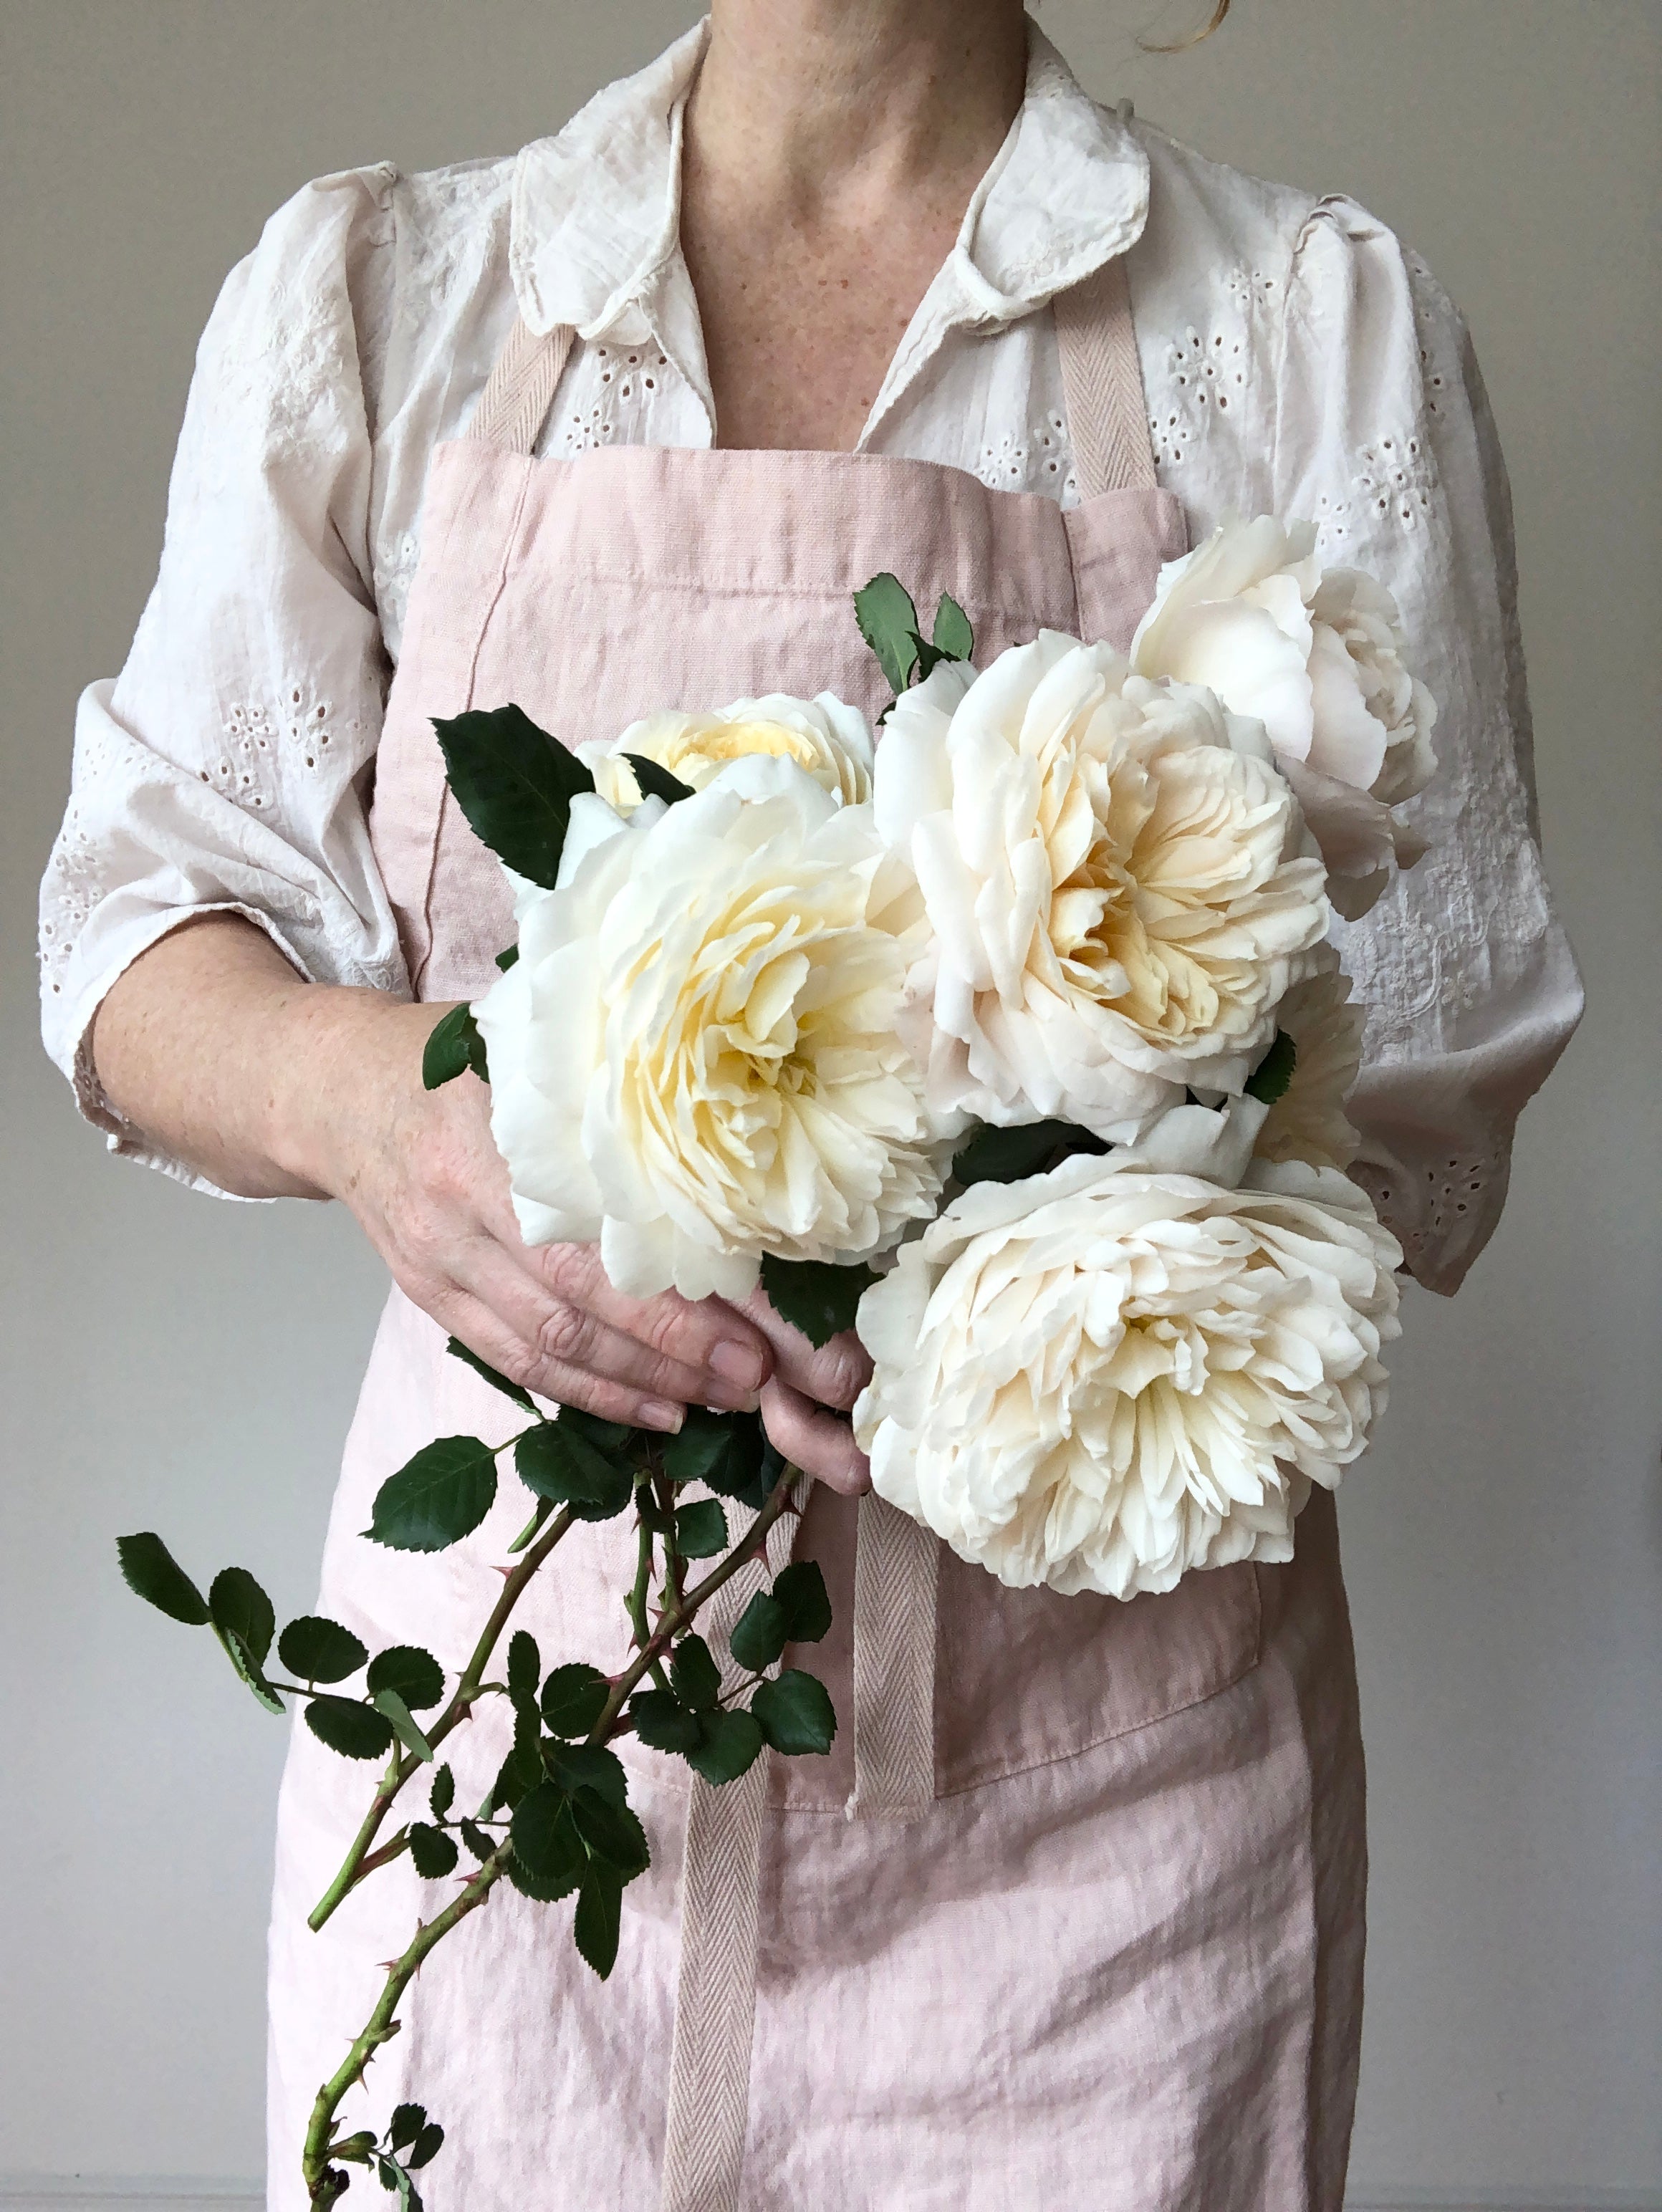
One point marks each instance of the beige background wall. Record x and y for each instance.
(178, 1364)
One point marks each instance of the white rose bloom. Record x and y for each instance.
(1109, 1374)
(827, 737)
(1308, 1121)
(1319, 657)
(1110, 868)
(694, 1058)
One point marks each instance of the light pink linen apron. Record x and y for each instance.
(1072, 1914)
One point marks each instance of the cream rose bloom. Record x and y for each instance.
(1112, 1374)
(694, 1058)
(1111, 871)
(827, 739)
(1308, 1121)
(1319, 658)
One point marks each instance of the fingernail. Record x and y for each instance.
(731, 1398)
(739, 1363)
(661, 1413)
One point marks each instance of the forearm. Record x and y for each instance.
(224, 1057)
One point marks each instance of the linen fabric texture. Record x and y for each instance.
(1297, 360)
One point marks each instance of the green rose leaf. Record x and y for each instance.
(442, 1795)
(662, 1723)
(608, 1438)
(954, 640)
(524, 1666)
(1012, 1155)
(478, 1841)
(611, 1832)
(354, 1731)
(516, 784)
(795, 1713)
(433, 1852)
(577, 1766)
(405, 2124)
(545, 1840)
(427, 2145)
(888, 622)
(454, 1045)
(320, 1651)
(437, 1497)
(729, 1743)
(404, 1726)
(556, 1460)
(359, 2150)
(243, 1622)
(695, 1674)
(760, 1632)
(722, 1450)
(599, 1919)
(507, 957)
(396, 2181)
(415, 1674)
(574, 1697)
(701, 1530)
(150, 1572)
(1269, 1079)
(458, 1350)
(814, 1297)
(655, 780)
(800, 1590)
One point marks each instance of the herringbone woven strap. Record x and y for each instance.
(1102, 379)
(516, 398)
(896, 1563)
(716, 1998)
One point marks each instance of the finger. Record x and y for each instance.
(473, 1323)
(731, 1352)
(832, 1374)
(820, 1443)
(554, 1335)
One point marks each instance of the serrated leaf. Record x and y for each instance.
(426, 2146)
(655, 781)
(814, 1297)
(800, 1590)
(516, 784)
(320, 1651)
(556, 1460)
(888, 622)
(700, 1529)
(1269, 1079)
(722, 1450)
(241, 1608)
(599, 1919)
(436, 1498)
(574, 1697)
(795, 1713)
(588, 1766)
(478, 1841)
(415, 1674)
(695, 1674)
(405, 2124)
(405, 1725)
(458, 1350)
(728, 1744)
(359, 2148)
(433, 1852)
(354, 1731)
(662, 1723)
(759, 1634)
(545, 1840)
(608, 1438)
(954, 640)
(248, 1670)
(1012, 1155)
(442, 1795)
(150, 1572)
(454, 1045)
(611, 1832)
(525, 1665)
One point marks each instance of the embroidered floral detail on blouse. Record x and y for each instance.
(625, 379)
(1208, 371)
(1039, 459)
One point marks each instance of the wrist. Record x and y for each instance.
(341, 1060)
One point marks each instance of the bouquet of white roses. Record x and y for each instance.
(1015, 1042)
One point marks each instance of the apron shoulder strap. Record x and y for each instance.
(1102, 379)
(516, 398)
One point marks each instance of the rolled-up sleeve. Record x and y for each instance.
(1385, 439)
(227, 768)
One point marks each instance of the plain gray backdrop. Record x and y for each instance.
(179, 1363)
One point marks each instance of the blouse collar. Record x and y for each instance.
(595, 233)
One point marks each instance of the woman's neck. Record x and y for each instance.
(831, 148)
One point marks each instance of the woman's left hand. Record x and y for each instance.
(806, 1400)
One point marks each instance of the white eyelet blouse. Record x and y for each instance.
(1297, 360)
